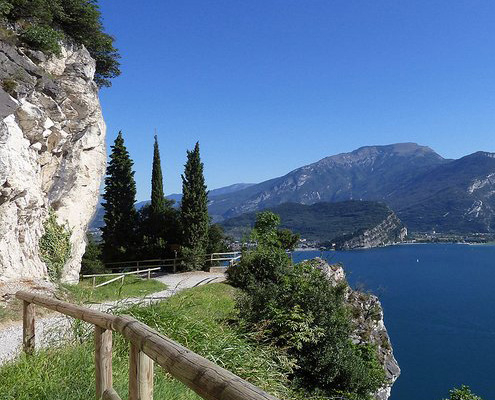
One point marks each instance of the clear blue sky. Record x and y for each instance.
(267, 86)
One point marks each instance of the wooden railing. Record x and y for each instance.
(119, 275)
(232, 258)
(147, 346)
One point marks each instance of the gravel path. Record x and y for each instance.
(53, 330)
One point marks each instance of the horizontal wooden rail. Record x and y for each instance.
(121, 273)
(207, 379)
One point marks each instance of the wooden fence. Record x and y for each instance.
(230, 258)
(147, 346)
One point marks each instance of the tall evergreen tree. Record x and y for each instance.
(158, 221)
(157, 196)
(120, 195)
(194, 211)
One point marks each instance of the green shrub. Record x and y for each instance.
(263, 265)
(463, 393)
(43, 38)
(55, 247)
(296, 309)
(91, 262)
(9, 85)
(49, 20)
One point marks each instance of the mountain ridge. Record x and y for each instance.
(414, 180)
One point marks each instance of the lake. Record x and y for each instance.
(439, 306)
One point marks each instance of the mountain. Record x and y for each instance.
(426, 191)
(97, 221)
(333, 222)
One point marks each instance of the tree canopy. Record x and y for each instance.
(45, 22)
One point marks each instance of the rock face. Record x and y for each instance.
(388, 232)
(52, 153)
(367, 316)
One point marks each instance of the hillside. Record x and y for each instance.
(426, 191)
(320, 221)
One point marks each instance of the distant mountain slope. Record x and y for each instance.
(427, 191)
(458, 196)
(320, 221)
(368, 173)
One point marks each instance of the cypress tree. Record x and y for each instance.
(157, 196)
(194, 211)
(120, 195)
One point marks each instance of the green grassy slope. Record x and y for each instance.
(195, 318)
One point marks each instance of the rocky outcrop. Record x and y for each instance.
(388, 232)
(367, 314)
(52, 153)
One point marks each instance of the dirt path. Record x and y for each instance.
(54, 329)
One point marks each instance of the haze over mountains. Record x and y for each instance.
(426, 191)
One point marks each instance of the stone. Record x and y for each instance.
(52, 155)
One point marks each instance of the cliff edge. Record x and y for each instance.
(369, 327)
(52, 153)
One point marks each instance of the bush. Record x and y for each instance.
(296, 309)
(91, 262)
(261, 266)
(43, 38)
(463, 393)
(55, 247)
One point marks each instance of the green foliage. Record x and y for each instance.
(47, 21)
(265, 228)
(261, 266)
(194, 318)
(157, 231)
(319, 221)
(287, 239)
(55, 247)
(463, 393)
(300, 312)
(119, 232)
(194, 212)
(217, 241)
(267, 233)
(91, 262)
(9, 85)
(44, 38)
(157, 196)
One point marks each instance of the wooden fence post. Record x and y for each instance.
(103, 360)
(28, 334)
(140, 375)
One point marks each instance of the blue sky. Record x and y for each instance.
(267, 86)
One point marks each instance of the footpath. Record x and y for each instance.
(55, 328)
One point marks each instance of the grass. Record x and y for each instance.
(83, 292)
(197, 318)
(132, 286)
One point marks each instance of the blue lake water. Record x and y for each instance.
(439, 306)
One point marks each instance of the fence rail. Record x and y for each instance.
(147, 346)
(232, 258)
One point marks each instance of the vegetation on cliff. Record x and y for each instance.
(295, 308)
(43, 23)
(55, 246)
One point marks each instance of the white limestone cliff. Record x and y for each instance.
(52, 154)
